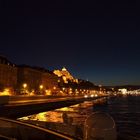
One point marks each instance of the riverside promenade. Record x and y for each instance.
(19, 106)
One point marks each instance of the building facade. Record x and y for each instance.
(50, 80)
(8, 74)
(32, 80)
(36, 79)
(28, 78)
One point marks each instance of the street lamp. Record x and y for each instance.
(41, 86)
(41, 89)
(24, 85)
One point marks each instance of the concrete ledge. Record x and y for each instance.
(4, 99)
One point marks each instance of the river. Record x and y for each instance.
(124, 110)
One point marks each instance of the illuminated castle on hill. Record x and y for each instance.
(66, 76)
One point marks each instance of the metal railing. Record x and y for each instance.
(15, 130)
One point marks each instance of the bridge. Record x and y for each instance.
(19, 106)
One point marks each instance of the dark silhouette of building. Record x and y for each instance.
(8, 74)
(37, 79)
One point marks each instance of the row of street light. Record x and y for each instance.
(63, 91)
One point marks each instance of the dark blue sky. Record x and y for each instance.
(98, 41)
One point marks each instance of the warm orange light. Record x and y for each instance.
(48, 92)
(70, 89)
(5, 92)
(41, 86)
(24, 85)
(63, 88)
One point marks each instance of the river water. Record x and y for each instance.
(124, 110)
(126, 113)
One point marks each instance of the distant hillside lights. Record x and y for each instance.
(126, 92)
(123, 91)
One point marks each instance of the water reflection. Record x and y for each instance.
(67, 120)
(76, 112)
(70, 120)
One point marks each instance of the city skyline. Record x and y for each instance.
(37, 66)
(94, 41)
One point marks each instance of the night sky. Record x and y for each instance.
(98, 41)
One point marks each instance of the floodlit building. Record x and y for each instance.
(65, 74)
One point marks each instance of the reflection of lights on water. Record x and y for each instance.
(24, 118)
(77, 112)
(65, 109)
(77, 105)
(50, 116)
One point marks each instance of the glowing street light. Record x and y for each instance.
(24, 85)
(41, 86)
(24, 88)
(70, 89)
